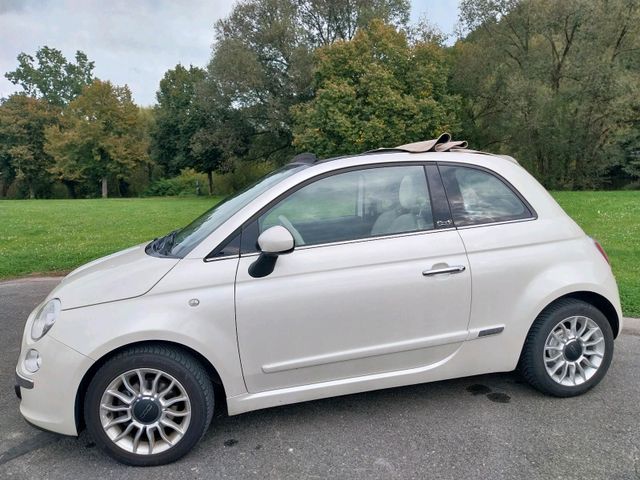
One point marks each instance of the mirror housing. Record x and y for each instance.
(273, 242)
(276, 240)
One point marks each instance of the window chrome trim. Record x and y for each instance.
(360, 240)
(491, 224)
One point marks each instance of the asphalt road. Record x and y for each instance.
(485, 427)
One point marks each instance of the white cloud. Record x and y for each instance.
(132, 42)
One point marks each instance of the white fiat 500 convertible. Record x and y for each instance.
(327, 277)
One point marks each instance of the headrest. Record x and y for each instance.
(408, 193)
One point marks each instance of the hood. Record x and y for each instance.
(125, 274)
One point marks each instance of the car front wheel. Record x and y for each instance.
(149, 405)
(568, 349)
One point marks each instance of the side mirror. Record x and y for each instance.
(272, 242)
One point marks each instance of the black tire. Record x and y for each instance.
(532, 364)
(177, 363)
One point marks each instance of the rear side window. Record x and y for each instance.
(477, 196)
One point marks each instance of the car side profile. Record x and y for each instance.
(327, 277)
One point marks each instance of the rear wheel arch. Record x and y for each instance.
(218, 386)
(592, 298)
(601, 303)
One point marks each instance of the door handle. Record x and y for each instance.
(443, 270)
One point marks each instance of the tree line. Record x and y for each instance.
(554, 84)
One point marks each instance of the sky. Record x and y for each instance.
(135, 42)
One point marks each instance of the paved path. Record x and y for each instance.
(485, 427)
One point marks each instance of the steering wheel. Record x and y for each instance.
(289, 226)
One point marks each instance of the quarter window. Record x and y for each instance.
(478, 197)
(355, 205)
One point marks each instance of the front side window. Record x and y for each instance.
(355, 205)
(478, 197)
(184, 240)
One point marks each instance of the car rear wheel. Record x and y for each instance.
(568, 349)
(149, 405)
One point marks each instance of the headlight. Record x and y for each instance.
(45, 319)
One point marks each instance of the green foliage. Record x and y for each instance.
(100, 135)
(556, 84)
(22, 156)
(376, 90)
(177, 119)
(189, 182)
(262, 66)
(241, 175)
(51, 76)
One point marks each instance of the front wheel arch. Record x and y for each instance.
(218, 386)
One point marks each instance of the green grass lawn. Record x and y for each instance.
(612, 218)
(42, 236)
(38, 236)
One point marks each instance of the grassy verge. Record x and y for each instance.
(40, 236)
(612, 218)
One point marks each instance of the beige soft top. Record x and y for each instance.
(443, 143)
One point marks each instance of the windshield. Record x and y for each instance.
(183, 241)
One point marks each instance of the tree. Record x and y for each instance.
(50, 76)
(555, 83)
(22, 125)
(376, 90)
(262, 66)
(100, 136)
(176, 119)
(327, 21)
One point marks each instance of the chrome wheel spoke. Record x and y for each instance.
(594, 342)
(171, 424)
(120, 396)
(124, 432)
(117, 421)
(572, 373)
(151, 438)
(589, 334)
(573, 326)
(553, 359)
(112, 408)
(128, 386)
(154, 385)
(173, 401)
(136, 439)
(583, 328)
(175, 413)
(132, 410)
(163, 434)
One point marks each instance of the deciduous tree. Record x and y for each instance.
(51, 76)
(101, 136)
(23, 121)
(375, 90)
(554, 83)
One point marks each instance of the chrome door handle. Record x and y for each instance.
(441, 271)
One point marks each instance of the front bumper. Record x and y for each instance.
(48, 397)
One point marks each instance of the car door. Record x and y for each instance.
(378, 281)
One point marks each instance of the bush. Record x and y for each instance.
(189, 182)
